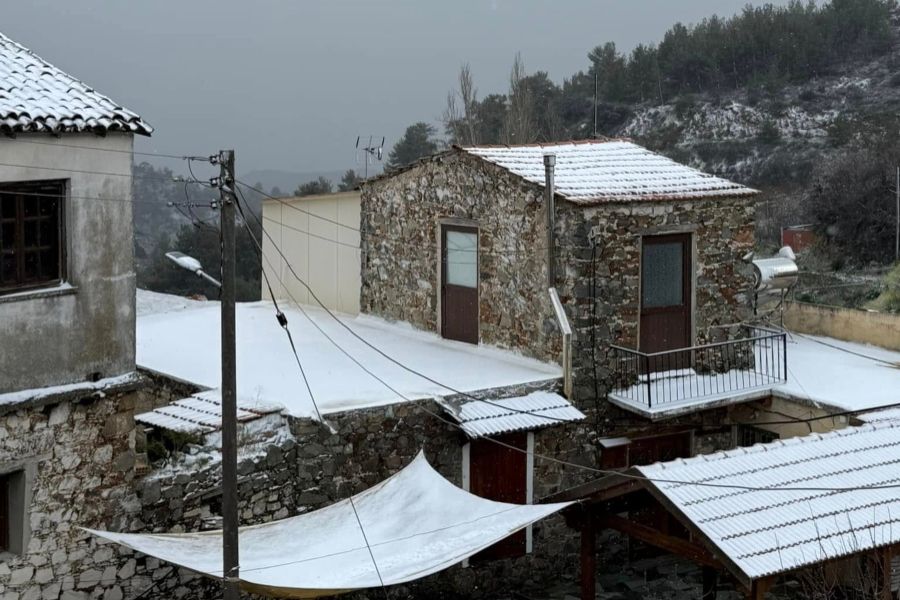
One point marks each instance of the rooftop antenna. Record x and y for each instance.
(371, 152)
(596, 90)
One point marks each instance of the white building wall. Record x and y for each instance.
(319, 236)
(84, 329)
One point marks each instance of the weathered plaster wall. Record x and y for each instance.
(71, 336)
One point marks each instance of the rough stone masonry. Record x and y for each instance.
(401, 215)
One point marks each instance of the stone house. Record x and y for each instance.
(647, 258)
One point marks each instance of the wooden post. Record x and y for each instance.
(710, 582)
(588, 559)
(759, 588)
(883, 569)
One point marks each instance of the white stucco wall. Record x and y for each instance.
(53, 338)
(323, 251)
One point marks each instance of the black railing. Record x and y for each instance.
(754, 361)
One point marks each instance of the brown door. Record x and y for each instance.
(459, 283)
(498, 472)
(665, 294)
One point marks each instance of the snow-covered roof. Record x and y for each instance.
(523, 413)
(773, 531)
(182, 341)
(200, 413)
(840, 375)
(409, 526)
(36, 96)
(596, 171)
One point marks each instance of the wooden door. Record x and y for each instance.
(459, 283)
(666, 284)
(4, 513)
(499, 473)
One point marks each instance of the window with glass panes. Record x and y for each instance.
(31, 234)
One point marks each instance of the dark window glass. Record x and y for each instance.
(30, 234)
(661, 269)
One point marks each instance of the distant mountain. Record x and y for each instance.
(287, 181)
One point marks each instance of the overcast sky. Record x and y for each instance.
(290, 84)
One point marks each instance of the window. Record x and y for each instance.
(15, 498)
(662, 273)
(31, 234)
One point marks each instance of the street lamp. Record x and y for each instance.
(193, 265)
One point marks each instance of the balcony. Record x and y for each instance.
(665, 384)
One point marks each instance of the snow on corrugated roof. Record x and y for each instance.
(36, 96)
(200, 413)
(767, 532)
(594, 171)
(536, 410)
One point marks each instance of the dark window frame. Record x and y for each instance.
(26, 199)
(5, 522)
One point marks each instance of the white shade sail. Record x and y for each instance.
(416, 523)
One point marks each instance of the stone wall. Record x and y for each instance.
(80, 453)
(400, 229)
(722, 233)
(317, 467)
(400, 233)
(89, 474)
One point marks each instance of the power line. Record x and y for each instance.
(311, 234)
(18, 140)
(77, 197)
(561, 461)
(87, 172)
(297, 208)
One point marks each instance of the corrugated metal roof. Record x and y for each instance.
(200, 413)
(763, 532)
(534, 411)
(595, 171)
(36, 96)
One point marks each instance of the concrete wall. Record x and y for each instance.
(848, 324)
(324, 253)
(88, 331)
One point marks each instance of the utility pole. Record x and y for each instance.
(230, 565)
(897, 222)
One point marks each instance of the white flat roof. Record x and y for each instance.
(841, 375)
(181, 340)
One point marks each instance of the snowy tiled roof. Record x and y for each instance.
(767, 532)
(200, 413)
(36, 96)
(534, 411)
(595, 171)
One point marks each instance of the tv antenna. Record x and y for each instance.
(371, 152)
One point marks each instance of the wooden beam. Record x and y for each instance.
(669, 543)
(588, 560)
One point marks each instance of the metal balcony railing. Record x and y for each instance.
(755, 361)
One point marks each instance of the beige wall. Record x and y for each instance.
(83, 329)
(319, 236)
(851, 325)
(771, 414)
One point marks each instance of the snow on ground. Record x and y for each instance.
(839, 374)
(149, 303)
(184, 343)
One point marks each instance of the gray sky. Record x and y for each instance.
(290, 84)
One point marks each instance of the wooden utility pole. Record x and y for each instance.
(897, 222)
(231, 570)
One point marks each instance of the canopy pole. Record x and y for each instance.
(588, 559)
